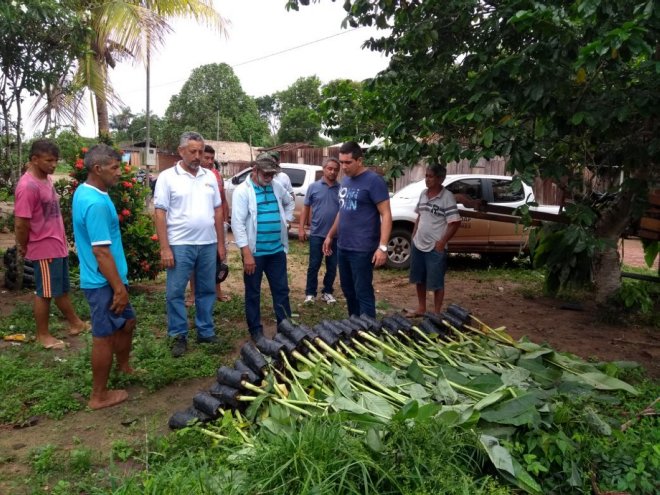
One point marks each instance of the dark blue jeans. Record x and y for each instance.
(315, 262)
(356, 274)
(274, 266)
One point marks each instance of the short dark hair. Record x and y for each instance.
(353, 148)
(437, 169)
(330, 159)
(44, 147)
(209, 149)
(100, 154)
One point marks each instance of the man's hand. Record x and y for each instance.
(379, 259)
(222, 252)
(302, 234)
(21, 250)
(119, 301)
(249, 265)
(440, 246)
(167, 257)
(327, 246)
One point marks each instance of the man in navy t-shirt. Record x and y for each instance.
(363, 227)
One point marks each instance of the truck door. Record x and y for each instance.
(503, 236)
(473, 232)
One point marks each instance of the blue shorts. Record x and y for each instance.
(104, 321)
(428, 268)
(51, 277)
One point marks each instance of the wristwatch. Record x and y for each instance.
(383, 248)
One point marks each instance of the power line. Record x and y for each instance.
(294, 47)
(264, 57)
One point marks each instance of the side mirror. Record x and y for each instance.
(234, 180)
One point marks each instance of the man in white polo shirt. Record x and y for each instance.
(189, 224)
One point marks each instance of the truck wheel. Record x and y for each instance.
(399, 248)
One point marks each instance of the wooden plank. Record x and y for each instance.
(648, 223)
(648, 234)
(654, 197)
(536, 215)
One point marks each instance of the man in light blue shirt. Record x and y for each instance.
(103, 272)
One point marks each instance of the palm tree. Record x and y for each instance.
(120, 29)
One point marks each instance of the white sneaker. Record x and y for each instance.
(328, 298)
(309, 300)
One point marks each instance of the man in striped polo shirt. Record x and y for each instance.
(261, 209)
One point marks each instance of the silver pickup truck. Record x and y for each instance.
(500, 241)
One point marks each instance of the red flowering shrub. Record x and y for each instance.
(137, 228)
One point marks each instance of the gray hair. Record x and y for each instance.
(190, 136)
(100, 154)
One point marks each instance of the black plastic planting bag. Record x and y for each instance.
(374, 324)
(289, 346)
(208, 404)
(294, 333)
(225, 394)
(326, 335)
(253, 358)
(390, 325)
(459, 312)
(252, 377)
(181, 419)
(359, 321)
(352, 325)
(452, 320)
(231, 377)
(269, 347)
(404, 323)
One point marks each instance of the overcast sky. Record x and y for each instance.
(257, 29)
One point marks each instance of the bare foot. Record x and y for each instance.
(50, 342)
(108, 399)
(84, 326)
(125, 369)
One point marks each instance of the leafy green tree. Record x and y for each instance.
(343, 111)
(213, 95)
(299, 125)
(39, 40)
(297, 111)
(121, 121)
(556, 86)
(121, 29)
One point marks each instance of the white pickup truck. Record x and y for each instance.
(500, 241)
(301, 175)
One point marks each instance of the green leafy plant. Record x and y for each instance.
(137, 229)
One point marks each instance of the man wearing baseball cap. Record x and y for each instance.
(261, 210)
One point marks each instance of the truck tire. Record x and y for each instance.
(399, 248)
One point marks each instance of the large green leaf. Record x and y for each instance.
(499, 456)
(516, 411)
(376, 404)
(601, 381)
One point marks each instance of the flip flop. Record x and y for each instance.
(224, 298)
(411, 313)
(58, 345)
(87, 326)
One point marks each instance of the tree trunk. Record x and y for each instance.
(102, 116)
(607, 264)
